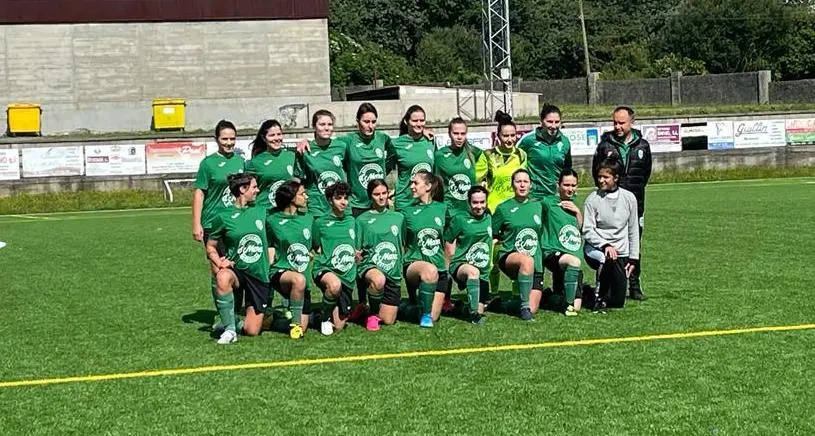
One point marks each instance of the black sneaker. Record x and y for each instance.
(478, 319)
(637, 295)
(526, 314)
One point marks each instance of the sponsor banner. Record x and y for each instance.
(53, 161)
(764, 133)
(114, 160)
(800, 131)
(174, 157)
(9, 164)
(584, 140)
(693, 130)
(720, 135)
(482, 140)
(662, 137)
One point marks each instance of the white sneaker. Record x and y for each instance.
(326, 328)
(228, 337)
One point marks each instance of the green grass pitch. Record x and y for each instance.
(112, 292)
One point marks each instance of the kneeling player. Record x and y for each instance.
(289, 234)
(561, 241)
(334, 240)
(242, 232)
(471, 233)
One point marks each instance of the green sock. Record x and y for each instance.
(329, 303)
(226, 309)
(570, 279)
(296, 308)
(524, 288)
(473, 292)
(374, 300)
(495, 278)
(426, 293)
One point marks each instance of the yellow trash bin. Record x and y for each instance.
(24, 118)
(169, 114)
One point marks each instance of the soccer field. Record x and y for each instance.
(120, 296)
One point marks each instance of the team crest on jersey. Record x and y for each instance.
(290, 170)
(640, 153)
(250, 248)
(537, 219)
(298, 257)
(385, 255)
(259, 224)
(352, 233)
(478, 255)
(467, 164)
(429, 241)
(378, 153)
(370, 172)
(489, 231)
(458, 186)
(337, 161)
(327, 178)
(421, 167)
(437, 220)
(429, 153)
(569, 237)
(342, 258)
(395, 230)
(527, 242)
(273, 191)
(307, 233)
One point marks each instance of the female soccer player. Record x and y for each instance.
(289, 234)
(549, 153)
(244, 266)
(516, 225)
(611, 232)
(271, 163)
(379, 237)
(335, 269)
(323, 163)
(410, 153)
(471, 234)
(425, 267)
(561, 241)
(460, 166)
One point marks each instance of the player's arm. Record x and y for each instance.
(201, 185)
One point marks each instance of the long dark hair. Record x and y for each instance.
(613, 165)
(404, 127)
(238, 181)
(338, 189)
(285, 194)
(224, 124)
(435, 182)
(259, 143)
(373, 184)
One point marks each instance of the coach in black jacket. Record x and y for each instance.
(629, 147)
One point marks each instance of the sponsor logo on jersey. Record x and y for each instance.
(458, 186)
(222, 164)
(326, 179)
(259, 224)
(283, 222)
(514, 209)
(437, 220)
(417, 211)
(268, 162)
(343, 258)
(370, 172)
(298, 257)
(250, 248)
(526, 242)
(385, 256)
(235, 215)
(227, 198)
(569, 237)
(429, 241)
(421, 167)
(409, 146)
(478, 255)
(273, 191)
(330, 223)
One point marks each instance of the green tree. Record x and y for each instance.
(450, 55)
(396, 25)
(354, 63)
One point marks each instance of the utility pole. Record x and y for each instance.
(585, 38)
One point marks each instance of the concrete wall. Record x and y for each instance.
(793, 91)
(103, 77)
(634, 92)
(720, 89)
(566, 91)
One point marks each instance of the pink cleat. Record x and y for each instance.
(373, 323)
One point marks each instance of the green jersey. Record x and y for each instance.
(335, 241)
(408, 156)
(322, 166)
(379, 237)
(547, 156)
(211, 179)
(271, 169)
(561, 231)
(290, 236)
(473, 238)
(242, 230)
(365, 161)
(517, 226)
(424, 229)
(458, 173)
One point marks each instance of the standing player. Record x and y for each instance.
(410, 153)
(561, 241)
(516, 226)
(289, 234)
(634, 153)
(271, 163)
(425, 267)
(611, 231)
(379, 238)
(244, 265)
(323, 163)
(471, 235)
(549, 153)
(335, 268)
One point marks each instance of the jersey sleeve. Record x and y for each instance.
(358, 234)
(567, 154)
(249, 166)
(270, 234)
(390, 156)
(216, 228)
(202, 177)
(299, 168)
(497, 222)
(526, 141)
(315, 236)
(482, 167)
(451, 230)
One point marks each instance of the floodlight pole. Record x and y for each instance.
(585, 38)
(496, 54)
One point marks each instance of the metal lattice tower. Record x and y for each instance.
(496, 56)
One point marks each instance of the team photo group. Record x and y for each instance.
(321, 215)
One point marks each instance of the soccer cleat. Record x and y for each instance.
(570, 311)
(478, 319)
(216, 323)
(426, 321)
(326, 328)
(228, 337)
(358, 313)
(295, 331)
(637, 295)
(372, 324)
(526, 314)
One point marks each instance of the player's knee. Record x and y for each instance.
(527, 266)
(223, 281)
(472, 273)
(298, 282)
(430, 275)
(570, 261)
(251, 330)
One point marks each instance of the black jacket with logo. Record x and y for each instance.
(637, 166)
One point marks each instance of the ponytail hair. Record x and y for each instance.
(549, 109)
(435, 182)
(404, 127)
(259, 143)
(285, 194)
(503, 119)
